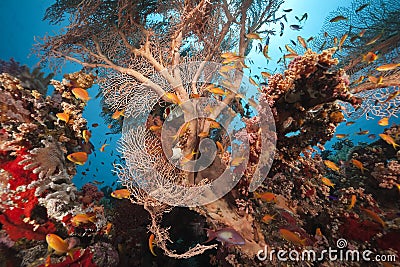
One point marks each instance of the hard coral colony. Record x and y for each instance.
(311, 197)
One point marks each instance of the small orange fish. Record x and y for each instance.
(218, 91)
(83, 219)
(373, 40)
(353, 202)
(362, 132)
(266, 196)
(358, 164)
(384, 121)
(55, 242)
(318, 232)
(302, 41)
(292, 237)
(203, 134)
(237, 161)
(327, 182)
(340, 136)
(361, 33)
(389, 140)
(81, 94)
(392, 96)
(341, 42)
(387, 67)
(350, 123)
(370, 57)
(251, 80)
(360, 79)
(172, 97)
(107, 228)
(227, 84)
(78, 157)
(228, 55)
(226, 68)
(265, 74)
(214, 124)
(375, 217)
(338, 18)
(188, 157)
(265, 52)
(155, 128)
(335, 40)
(253, 36)
(268, 218)
(103, 147)
(86, 134)
(121, 194)
(220, 147)
(63, 117)
(290, 55)
(289, 49)
(117, 114)
(151, 245)
(109, 126)
(331, 165)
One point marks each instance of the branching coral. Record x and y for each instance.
(387, 176)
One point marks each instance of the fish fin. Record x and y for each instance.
(304, 242)
(92, 218)
(210, 234)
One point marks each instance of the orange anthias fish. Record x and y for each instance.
(173, 98)
(387, 67)
(318, 232)
(392, 96)
(340, 136)
(78, 157)
(268, 218)
(292, 237)
(55, 242)
(220, 147)
(237, 161)
(384, 121)
(373, 40)
(117, 114)
(331, 165)
(353, 202)
(327, 182)
(362, 132)
(103, 147)
(358, 164)
(83, 219)
(338, 18)
(121, 193)
(389, 140)
(155, 128)
(63, 117)
(151, 245)
(253, 36)
(81, 94)
(302, 41)
(218, 91)
(375, 217)
(341, 42)
(86, 134)
(370, 57)
(266, 196)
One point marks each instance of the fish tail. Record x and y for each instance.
(92, 218)
(395, 145)
(304, 242)
(211, 235)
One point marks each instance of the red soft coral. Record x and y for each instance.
(16, 228)
(354, 229)
(80, 259)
